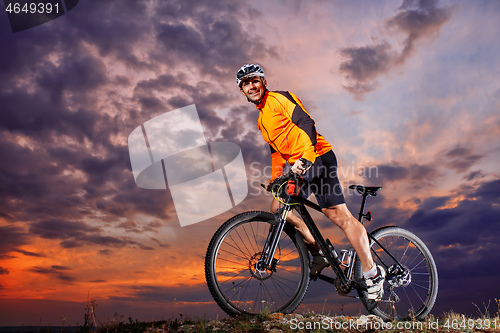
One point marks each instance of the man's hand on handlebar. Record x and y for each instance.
(301, 166)
(269, 184)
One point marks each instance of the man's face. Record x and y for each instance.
(253, 88)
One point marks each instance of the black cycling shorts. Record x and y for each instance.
(321, 179)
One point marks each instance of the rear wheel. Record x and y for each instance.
(238, 285)
(410, 291)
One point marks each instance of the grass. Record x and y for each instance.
(450, 322)
(484, 321)
(317, 323)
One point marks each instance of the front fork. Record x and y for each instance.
(267, 261)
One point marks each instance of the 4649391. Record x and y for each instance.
(471, 324)
(33, 7)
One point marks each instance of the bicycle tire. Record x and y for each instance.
(230, 272)
(417, 293)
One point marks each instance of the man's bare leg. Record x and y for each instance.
(355, 232)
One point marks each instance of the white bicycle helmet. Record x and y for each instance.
(248, 70)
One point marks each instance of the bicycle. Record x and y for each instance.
(256, 262)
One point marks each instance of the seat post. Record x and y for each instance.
(362, 208)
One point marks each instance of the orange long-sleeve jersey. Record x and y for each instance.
(289, 130)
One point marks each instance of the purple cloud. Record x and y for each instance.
(415, 20)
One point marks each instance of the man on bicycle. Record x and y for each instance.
(291, 134)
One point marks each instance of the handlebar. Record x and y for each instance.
(279, 181)
(290, 175)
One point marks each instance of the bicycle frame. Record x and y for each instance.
(299, 203)
(322, 243)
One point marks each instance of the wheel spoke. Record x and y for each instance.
(411, 293)
(235, 246)
(244, 287)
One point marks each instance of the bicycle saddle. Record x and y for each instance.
(366, 190)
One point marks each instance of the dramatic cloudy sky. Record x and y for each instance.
(407, 92)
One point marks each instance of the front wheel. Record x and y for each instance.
(233, 277)
(410, 290)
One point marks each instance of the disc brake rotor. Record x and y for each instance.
(261, 274)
